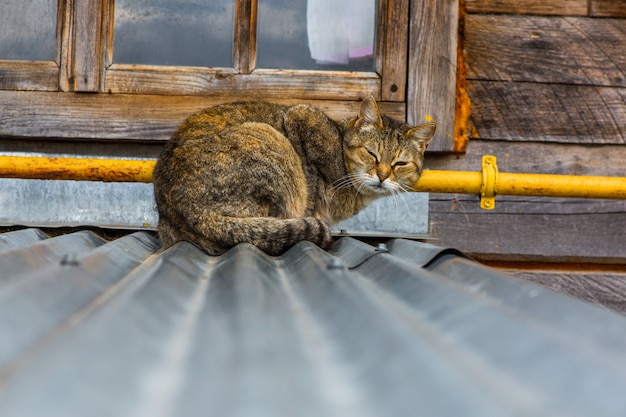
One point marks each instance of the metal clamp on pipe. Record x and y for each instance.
(489, 187)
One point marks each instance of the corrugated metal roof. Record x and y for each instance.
(96, 328)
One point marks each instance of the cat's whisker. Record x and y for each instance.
(356, 180)
(395, 202)
(403, 199)
(349, 180)
(345, 181)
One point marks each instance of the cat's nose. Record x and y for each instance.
(382, 176)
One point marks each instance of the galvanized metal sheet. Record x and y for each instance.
(126, 330)
(44, 203)
(23, 237)
(400, 215)
(77, 203)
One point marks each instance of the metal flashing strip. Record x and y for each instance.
(120, 328)
(131, 205)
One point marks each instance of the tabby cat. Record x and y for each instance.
(272, 175)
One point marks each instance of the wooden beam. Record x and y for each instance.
(29, 75)
(88, 43)
(607, 289)
(127, 116)
(134, 79)
(616, 8)
(537, 157)
(548, 112)
(245, 36)
(540, 7)
(531, 229)
(394, 44)
(432, 67)
(584, 51)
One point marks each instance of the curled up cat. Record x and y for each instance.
(273, 175)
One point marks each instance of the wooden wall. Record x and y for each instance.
(547, 84)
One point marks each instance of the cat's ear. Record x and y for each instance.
(422, 134)
(369, 115)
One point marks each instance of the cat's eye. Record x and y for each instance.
(400, 163)
(372, 154)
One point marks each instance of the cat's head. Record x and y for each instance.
(384, 156)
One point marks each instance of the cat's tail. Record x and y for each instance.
(272, 235)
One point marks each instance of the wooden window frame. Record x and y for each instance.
(414, 77)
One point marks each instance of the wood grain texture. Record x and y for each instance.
(531, 229)
(245, 35)
(132, 79)
(29, 76)
(604, 289)
(546, 49)
(127, 116)
(540, 7)
(539, 158)
(432, 67)
(88, 53)
(608, 8)
(394, 41)
(548, 112)
(65, 27)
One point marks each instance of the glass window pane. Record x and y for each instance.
(317, 34)
(28, 29)
(174, 32)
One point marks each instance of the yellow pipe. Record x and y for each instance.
(456, 182)
(547, 185)
(562, 186)
(459, 182)
(78, 169)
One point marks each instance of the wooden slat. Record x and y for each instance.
(129, 79)
(541, 7)
(601, 288)
(29, 75)
(245, 36)
(548, 112)
(432, 67)
(126, 117)
(531, 230)
(536, 157)
(608, 8)
(87, 63)
(549, 50)
(394, 42)
(65, 27)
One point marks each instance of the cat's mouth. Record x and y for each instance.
(376, 186)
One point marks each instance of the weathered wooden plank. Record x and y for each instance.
(126, 116)
(87, 62)
(432, 67)
(546, 49)
(519, 230)
(601, 288)
(536, 157)
(245, 35)
(548, 112)
(395, 40)
(608, 8)
(540, 7)
(130, 79)
(65, 26)
(29, 76)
